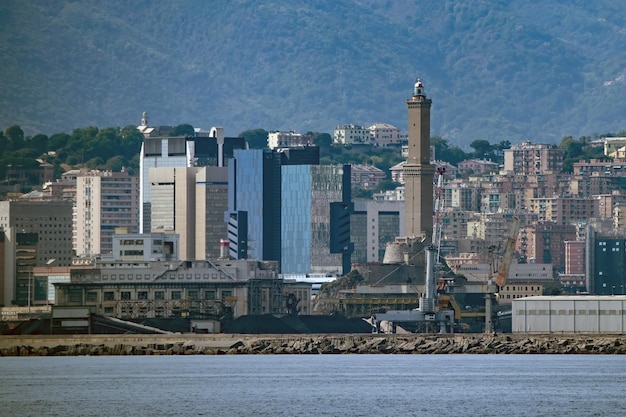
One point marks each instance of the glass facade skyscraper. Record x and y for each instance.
(287, 204)
(254, 188)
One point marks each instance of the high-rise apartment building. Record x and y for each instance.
(35, 233)
(528, 158)
(105, 201)
(544, 242)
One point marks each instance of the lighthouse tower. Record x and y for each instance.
(418, 171)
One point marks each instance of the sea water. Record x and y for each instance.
(314, 385)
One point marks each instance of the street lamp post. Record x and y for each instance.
(30, 270)
(49, 262)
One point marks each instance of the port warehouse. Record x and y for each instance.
(591, 314)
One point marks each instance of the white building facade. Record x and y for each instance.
(105, 201)
(351, 135)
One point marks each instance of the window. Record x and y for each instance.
(209, 295)
(125, 295)
(159, 295)
(192, 294)
(176, 295)
(226, 294)
(108, 310)
(109, 296)
(92, 296)
(142, 295)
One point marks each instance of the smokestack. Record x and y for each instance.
(224, 249)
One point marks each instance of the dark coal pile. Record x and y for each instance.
(269, 324)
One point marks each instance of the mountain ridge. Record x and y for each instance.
(494, 70)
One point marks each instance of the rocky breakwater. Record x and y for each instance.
(327, 344)
(477, 344)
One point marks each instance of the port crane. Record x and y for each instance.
(503, 271)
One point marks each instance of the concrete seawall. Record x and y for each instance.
(191, 344)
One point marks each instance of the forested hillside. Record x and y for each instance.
(496, 70)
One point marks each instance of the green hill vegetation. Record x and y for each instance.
(496, 71)
(115, 148)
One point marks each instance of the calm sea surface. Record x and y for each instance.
(314, 385)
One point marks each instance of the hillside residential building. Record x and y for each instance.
(608, 202)
(564, 210)
(528, 158)
(614, 167)
(384, 135)
(544, 242)
(613, 147)
(351, 135)
(477, 167)
(367, 177)
(276, 140)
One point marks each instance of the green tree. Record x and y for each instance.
(183, 130)
(15, 134)
(131, 141)
(5, 145)
(388, 185)
(323, 140)
(58, 141)
(105, 144)
(256, 138)
(455, 155)
(116, 163)
(79, 139)
(25, 153)
(39, 143)
(441, 146)
(482, 148)
(504, 144)
(95, 163)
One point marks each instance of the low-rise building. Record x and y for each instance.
(569, 314)
(220, 289)
(384, 134)
(367, 177)
(277, 139)
(351, 135)
(477, 167)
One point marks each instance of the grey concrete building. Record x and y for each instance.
(35, 233)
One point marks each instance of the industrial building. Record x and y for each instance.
(570, 314)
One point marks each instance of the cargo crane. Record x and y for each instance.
(438, 214)
(428, 311)
(503, 271)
